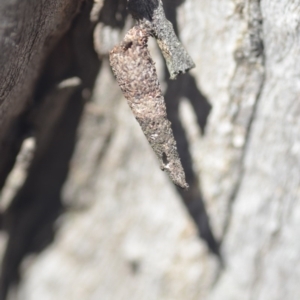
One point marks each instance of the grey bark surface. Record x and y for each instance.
(122, 230)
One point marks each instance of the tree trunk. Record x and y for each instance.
(86, 211)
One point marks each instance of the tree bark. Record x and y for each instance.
(101, 218)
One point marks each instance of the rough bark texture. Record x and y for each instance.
(126, 232)
(28, 32)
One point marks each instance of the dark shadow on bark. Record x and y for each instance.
(11, 145)
(114, 13)
(142, 9)
(29, 220)
(186, 87)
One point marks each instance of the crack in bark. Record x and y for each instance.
(251, 58)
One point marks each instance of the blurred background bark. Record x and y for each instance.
(86, 213)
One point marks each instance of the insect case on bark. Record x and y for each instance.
(136, 75)
(135, 72)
